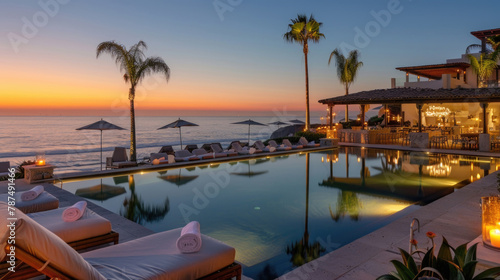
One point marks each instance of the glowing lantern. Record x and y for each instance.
(40, 159)
(491, 221)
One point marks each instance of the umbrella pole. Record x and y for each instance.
(100, 159)
(248, 135)
(180, 136)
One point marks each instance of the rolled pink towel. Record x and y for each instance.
(32, 194)
(74, 212)
(190, 239)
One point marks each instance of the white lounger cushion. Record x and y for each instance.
(45, 201)
(157, 255)
(151, 257)
(89, 225)
(46, 246)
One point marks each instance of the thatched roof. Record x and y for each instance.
(417, 95)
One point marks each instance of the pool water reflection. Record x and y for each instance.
(281, 212)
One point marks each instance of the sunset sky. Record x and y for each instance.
(226, 56)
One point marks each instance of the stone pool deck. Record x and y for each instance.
(456, 216)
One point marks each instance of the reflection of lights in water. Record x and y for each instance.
(439, 170)
(322, 159)
(359, 159)
(471, 167)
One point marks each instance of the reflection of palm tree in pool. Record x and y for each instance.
(347, 203)
(301, 251)
(136, 210)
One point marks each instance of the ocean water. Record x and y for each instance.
(72, 150)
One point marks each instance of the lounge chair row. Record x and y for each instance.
(45, 244)
(207, 151)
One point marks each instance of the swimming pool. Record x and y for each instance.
(283, 211)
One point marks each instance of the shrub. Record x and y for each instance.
(310, 136)
(460, 265)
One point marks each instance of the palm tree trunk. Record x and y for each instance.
(307, 88)
(346, 106)
(133, 156)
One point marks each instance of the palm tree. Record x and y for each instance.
(303, 30)
(493, 42)
(135, 66)
(347, 70)
(137, 211)
(484, 66)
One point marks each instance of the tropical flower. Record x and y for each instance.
(414, 242)
(430, 234)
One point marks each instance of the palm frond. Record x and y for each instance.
(153, 65)
(347, 68)
(302, 30)
(472, 47)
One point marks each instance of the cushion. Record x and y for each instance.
(183, 154)
(157, 254)
(158, 156)
(45, 201)
(120, 154)
(89, 225)
(46, 246)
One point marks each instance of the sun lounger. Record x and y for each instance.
(4, 168)
(259, 145)
(304, 143)
(90, 230)
(207, 147)
(191, 147)
(217, 148)
(184, 155)
(242, 151)
(162, 158)
(167, 149)
(45, 201)
(203, 154)
(273, 143)
(152, 257)
(287, 143)
(119, 159)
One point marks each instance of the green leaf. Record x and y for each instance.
(429, 269)
(489, 273)
(429, 260)
(460, 252)
(469, 269)
(408, 261)
(455, 272)
(403, 272)
(388, 277)
(444, 251)
(471, 253)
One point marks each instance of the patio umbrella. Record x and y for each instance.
(278, 123)
(251, 173)
(179, 179)
(178, 124)
(101, 125)
(249, 122)
(296, 121)
(100, 192)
